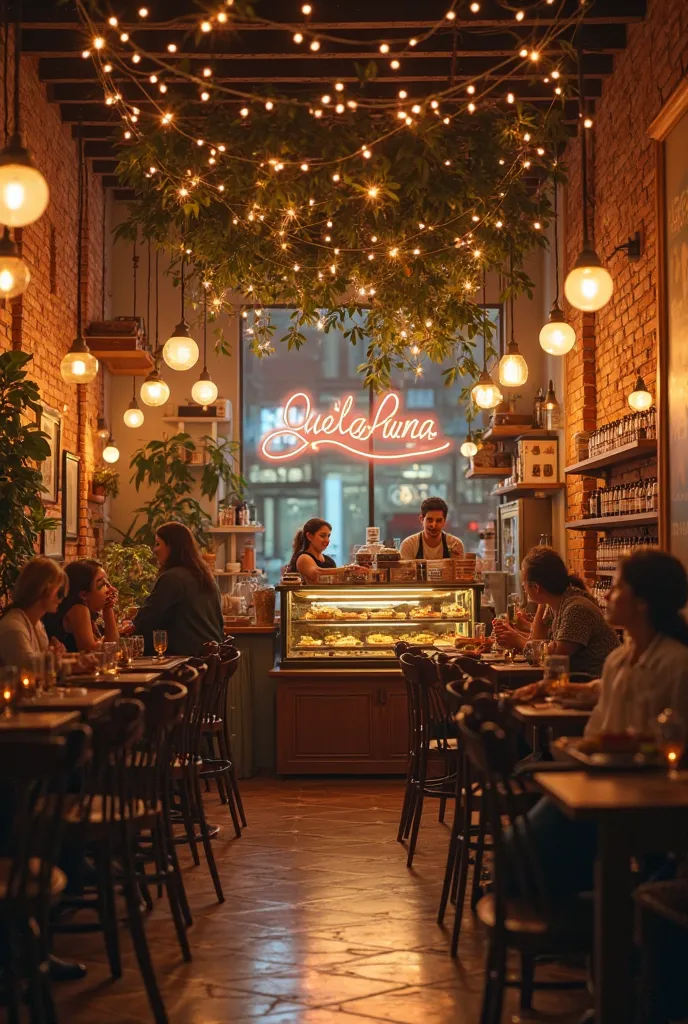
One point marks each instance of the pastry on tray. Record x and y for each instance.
(380, 638)
(309, 641)
(347, 641)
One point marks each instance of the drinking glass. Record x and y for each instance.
(513, 606)
(160, 642)
(9, 678)
(99, 663)
(138, 645)
(126, 652)
(110, 650)
(28, 674)
(49, 673)
(479, 631)
(533, 651)
(556, 671)
(671, 738)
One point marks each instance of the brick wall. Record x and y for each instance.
(43, 320)
(621, 340)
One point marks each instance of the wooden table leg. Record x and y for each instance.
(613, 975)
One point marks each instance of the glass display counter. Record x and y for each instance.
(329, 625)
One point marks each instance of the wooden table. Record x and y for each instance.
(159, 665)
(636, 813)
(89, 703)
(547, 721)
(36, 722)
(508, 675)
(124, 681)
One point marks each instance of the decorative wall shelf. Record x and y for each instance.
(496, 472)
(118, 344)
(634, 450)
(514, 490)
(609, 522)
(236, 529)
(505, 431)
(196, 419)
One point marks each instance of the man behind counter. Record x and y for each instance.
(432, 541)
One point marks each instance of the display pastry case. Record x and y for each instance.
(345, 624)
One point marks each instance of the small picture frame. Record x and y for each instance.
(50, 423)
(52, 543)
(71, 465)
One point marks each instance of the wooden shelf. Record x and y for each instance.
(197, 419)
(236, 529)
(609, 522)
(634, 450)
(125, 363)
(505, 431)
(516, 489)
(498, 472)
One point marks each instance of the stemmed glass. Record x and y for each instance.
(671, 738)
(160, 642)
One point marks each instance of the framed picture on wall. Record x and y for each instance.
(49, 422)
(670, 131)
(52, 543)
(70, 495)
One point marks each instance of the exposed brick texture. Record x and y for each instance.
(621, 340)
(43, 320)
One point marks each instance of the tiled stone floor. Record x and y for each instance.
(322, 924)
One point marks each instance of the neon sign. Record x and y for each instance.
(304, 429)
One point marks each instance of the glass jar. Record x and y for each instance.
(264, 605)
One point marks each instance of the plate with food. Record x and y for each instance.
(623, 751)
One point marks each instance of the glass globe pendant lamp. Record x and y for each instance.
(79, 365)
(133, 416)
(640, 398)
(469, 448)
(513, 369)
(24, 192)
(589, 285)
(14, 273)
(204, 391)
(557, 336)
(102, 429)
(154, 390)
(180, 351)
(485, 393)
(111, 451)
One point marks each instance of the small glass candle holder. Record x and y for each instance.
(9, 677)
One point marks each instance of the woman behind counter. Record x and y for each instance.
(309, 556)
(185, 600)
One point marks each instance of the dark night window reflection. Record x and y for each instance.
(335, 485)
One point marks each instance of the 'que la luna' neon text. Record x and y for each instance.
(350, 432)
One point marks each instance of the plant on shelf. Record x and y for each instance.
(165, 466)
(106, 482)
(132, 570)
(22, 443)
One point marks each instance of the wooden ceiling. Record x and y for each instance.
(262, 57)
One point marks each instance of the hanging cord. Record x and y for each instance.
(148, 296)
(102, 259)
(182, 282)
(80, 229)
(17, 61)
(156, 351)
(584, 148)
(484, 319)
(205, 329)
(556, 243)
(6, 69)
(133, 381)
(135, 267)
(511, 293)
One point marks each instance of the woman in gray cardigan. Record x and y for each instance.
(185, 600)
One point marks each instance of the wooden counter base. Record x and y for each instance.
(341, 721)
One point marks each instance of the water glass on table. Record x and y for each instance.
(111, 650)
(137, 645)
(160, 642)
(9, 688)
(556, 671)
(479, 631)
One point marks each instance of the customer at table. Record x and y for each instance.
(76, 624)
(40, 587)
(577, 627)
(185, 600)
(640, 679)
(432, 541)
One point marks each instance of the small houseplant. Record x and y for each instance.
(132, 570)
(22, 445)
(106, 482)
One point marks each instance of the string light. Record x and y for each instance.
(315, 45)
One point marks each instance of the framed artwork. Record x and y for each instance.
(50, 467)
(52, 543)
(70, 495)
(670, 132)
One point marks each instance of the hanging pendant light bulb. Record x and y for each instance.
(469, 448)
(513, 369)
(111, 451)
(154, 390)
(79, 365)
(24, 192)
(551, 408)
(133, 416)
(640, 398)
(485, 393)
(102, 429)
(557, 336)
(204, 390)
(589, 285)
(180, 351)
(14, 273)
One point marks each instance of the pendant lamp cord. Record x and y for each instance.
(182, 287)
(556, 243)
(484, 319)
(135, 267)
(17, 61)
(584, 148)
(6, 69)
(156, 351)
(80, 228)
(205, 328)
(102, 260)
(148, 296)
(133, 381)
(511, 293)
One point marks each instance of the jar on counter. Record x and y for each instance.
(248, 557)
(264, 605)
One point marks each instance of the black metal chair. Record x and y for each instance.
(218, 761)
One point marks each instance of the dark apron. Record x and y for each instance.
(445, 547)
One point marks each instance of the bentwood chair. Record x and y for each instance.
(218, 761)
(35, 774)
(518, 913)
(663, 930)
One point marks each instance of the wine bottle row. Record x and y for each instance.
(612, 549)
(634, 498)
(637, 426)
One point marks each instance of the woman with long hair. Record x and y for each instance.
(76, 624)
(308, 555)
(576, 628)
(185, 600)
(40, 587)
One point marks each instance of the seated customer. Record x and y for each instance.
(76, 622)
(40, 587)
(577, 628)
(432, 541)
(185, 600)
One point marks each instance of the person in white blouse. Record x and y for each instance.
(40, 587)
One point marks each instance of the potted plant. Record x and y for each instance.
(106, 482)
(221, 460)
(132, 570)
(22, 445)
